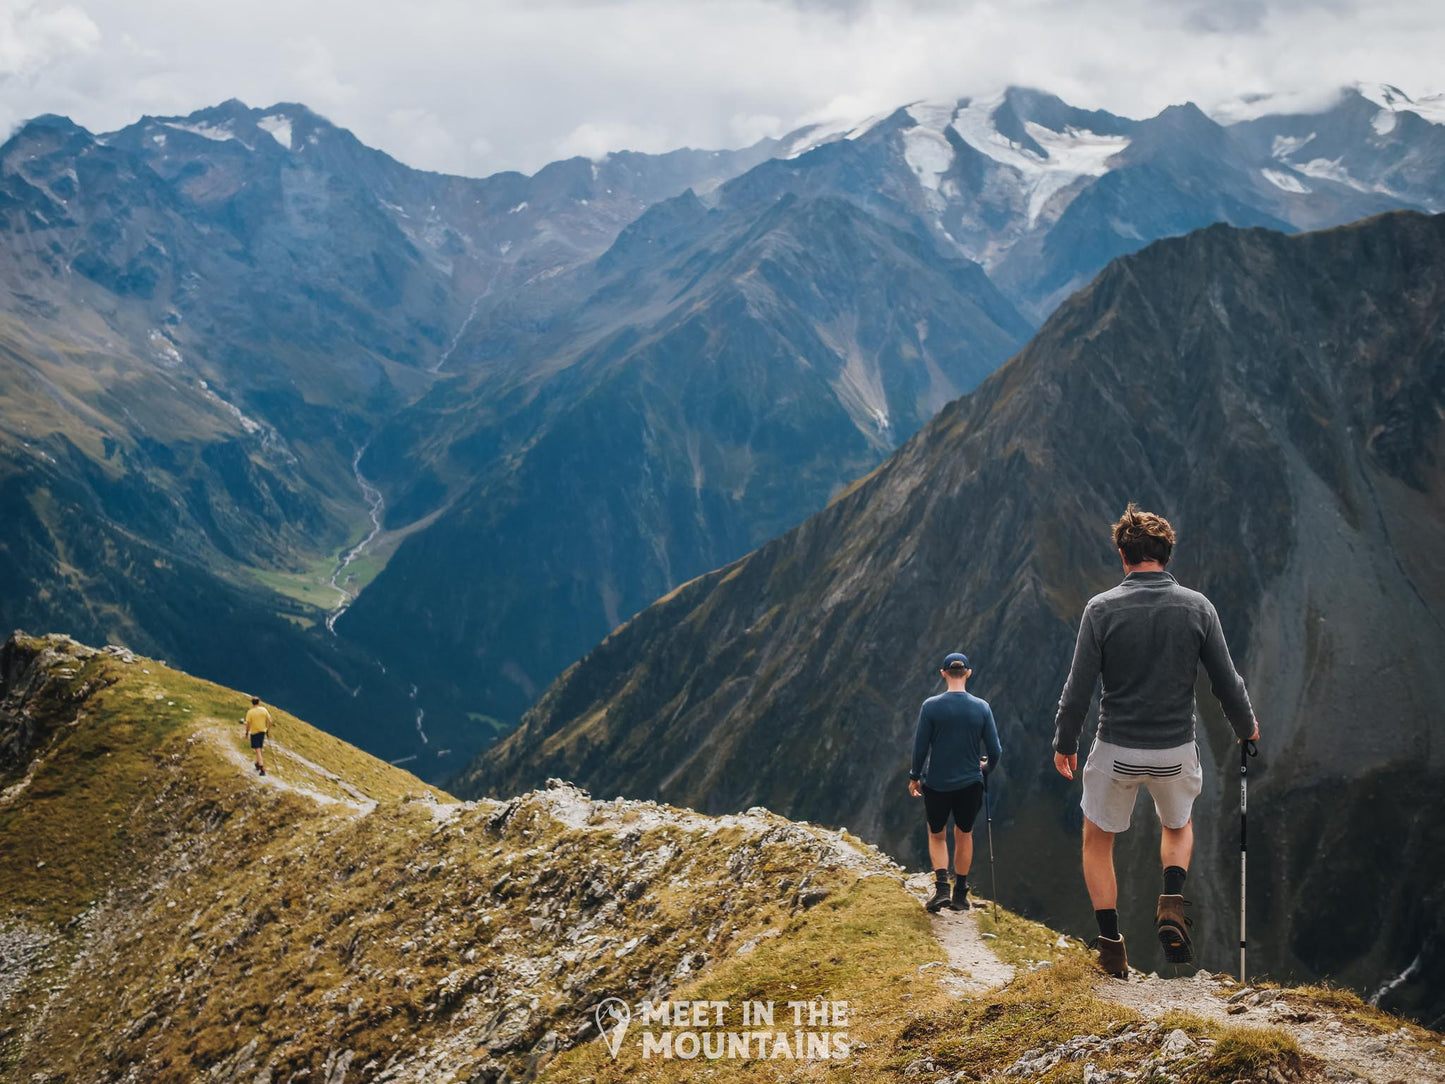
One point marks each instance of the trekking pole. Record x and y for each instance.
(1247, 749)
(992, 873)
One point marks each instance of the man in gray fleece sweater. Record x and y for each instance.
(1145, 639)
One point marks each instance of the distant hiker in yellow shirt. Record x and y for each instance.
(257, 722)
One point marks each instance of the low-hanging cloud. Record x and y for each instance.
(470, 87)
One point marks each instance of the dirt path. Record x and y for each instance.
(283, 764)
(1351, 1051)
(972, 966)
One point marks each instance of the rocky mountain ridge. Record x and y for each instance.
(1279, 398)
(170, 916)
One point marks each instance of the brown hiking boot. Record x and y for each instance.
(1112, 958)
(1174, 929)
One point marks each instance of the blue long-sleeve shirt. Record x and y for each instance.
(954, 732)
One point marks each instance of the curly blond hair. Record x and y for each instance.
(1143, 536)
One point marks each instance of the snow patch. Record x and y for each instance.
(927, 152)
(1285, 146)
(1393, 100)
(166, 353)
(519, 208)
(250, 425)
(279, 125)
(1285, 181)
(1068, 155)
(218, 133)
(1329, 169)
(829, 131)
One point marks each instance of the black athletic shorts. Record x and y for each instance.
(963, 804)
(258, 739)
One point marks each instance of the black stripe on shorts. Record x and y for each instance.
(1158, 771)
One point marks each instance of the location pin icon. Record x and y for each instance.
(613, 1016)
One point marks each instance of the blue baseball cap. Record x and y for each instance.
(958, 658)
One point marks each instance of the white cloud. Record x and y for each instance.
(462, 86)
(416, 134)
(33, 36)
(748, 129)
(595, 138)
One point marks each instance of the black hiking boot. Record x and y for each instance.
(1174, 929)
(940, 898)
(959, 902)
(1112, 958)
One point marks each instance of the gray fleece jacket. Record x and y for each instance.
(1146, 639)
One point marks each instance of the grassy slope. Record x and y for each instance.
(867, 945)
(188, 917)
(80, 823)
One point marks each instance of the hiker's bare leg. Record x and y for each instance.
(1099, 867)
(1176, 845)
(938, 849)
(962, 851)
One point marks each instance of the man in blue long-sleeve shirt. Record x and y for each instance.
(957, 738)
(1144, 641)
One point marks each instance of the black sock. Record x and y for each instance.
(960, 883)
(1108, 923)
(1174, 880)
(941, 876)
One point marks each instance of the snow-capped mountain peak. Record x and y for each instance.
(1392, 101)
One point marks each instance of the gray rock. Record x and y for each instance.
(1176, 1044)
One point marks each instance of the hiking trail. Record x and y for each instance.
(1352, 1052)
(283, 762)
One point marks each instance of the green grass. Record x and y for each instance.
(311, 587)
(1019, 941)
(495, 725)
(312, 584)
(82, 817)
(864, 944)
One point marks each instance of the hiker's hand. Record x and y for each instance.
(1255, 735)
(915, 788)
(1066, 765)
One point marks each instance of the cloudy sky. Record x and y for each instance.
(475, 86)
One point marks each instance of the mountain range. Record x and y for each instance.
(1280, 399)
(256, 372)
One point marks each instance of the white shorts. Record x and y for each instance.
(1112, 775)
